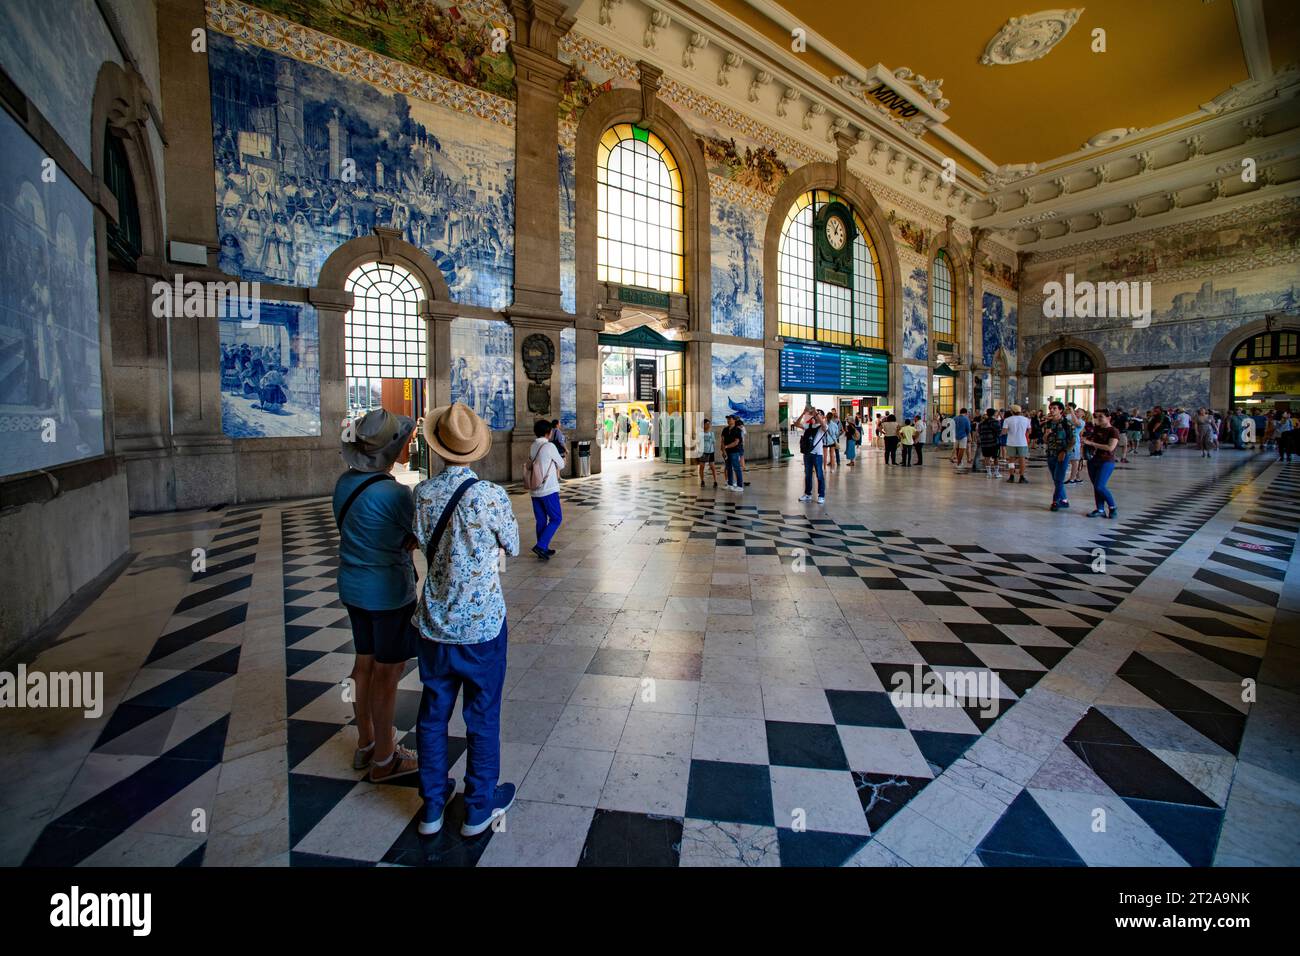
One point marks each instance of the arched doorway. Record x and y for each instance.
(1068, 375)
(384, 342)
(1266, 371)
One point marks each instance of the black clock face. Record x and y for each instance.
(837, 234)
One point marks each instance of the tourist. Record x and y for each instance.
(542, 479)
(919, 425)
(1015, 427)
(989, 430)
(559, 439)
(1036, 430)
(1288, 437)
(889, 431)
(708, 448)
(376, 581)
(733, 448)
(623, 430)
(812, 445)
(1120, 421)
(1135, 428)
(463, 524)
(1207, 439)
(960, 437)
(850, 440)
(907, 438)
(833, 430)
(1058, 434)
(1182, 425)
(1237, 425)
(1077, 418)
(1158, 429)
(609, 429)
(1101, 463)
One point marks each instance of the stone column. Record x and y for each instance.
(977, 237)
(204, 458)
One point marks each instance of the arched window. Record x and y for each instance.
(383, 334)
(639, 211)
(814, 304)
(1067, 362)
(941, 320)
(124, 236)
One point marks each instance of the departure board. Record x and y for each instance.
(826, 369)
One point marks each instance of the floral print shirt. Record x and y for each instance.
(462, 601)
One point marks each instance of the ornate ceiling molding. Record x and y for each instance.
(1030, 37)
(1110, 137)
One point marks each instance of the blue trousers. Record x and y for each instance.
(547, 512)
(811, 464)
(1060, 470)
(1099, 473)
(734, 468)
(480, 671)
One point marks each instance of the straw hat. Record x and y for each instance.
(1015, 409)
(379, 437)
(456, 434)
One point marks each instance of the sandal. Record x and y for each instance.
(361, 756)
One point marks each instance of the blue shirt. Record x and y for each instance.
(375, 570)
(707, 442)
(961, 424)
(462, 601)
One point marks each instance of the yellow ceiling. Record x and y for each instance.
(1164, 59)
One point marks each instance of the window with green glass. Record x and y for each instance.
(639, 211)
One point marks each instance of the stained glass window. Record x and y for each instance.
(639, 211)
(823, 311)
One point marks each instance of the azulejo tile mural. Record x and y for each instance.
(53, 51)
(916, 381)
(1172, 388)
(307, 159)
(1000, 327)
(736, 233)
(455, 40)
(738, 383)
(270, 372)
(483, 369)
(568, 379)
(916, 315)
(568, 238)
(51, 390)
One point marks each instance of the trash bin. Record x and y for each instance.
(584, 459)
(774, 441)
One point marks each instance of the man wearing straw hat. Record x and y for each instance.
(462, 524)
(377, 584)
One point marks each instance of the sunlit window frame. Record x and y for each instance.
(856, 318)
(649, 202)
(384, 335)
(942, 322)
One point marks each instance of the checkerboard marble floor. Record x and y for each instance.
(703, 678)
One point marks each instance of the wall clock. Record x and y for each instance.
(834, 232)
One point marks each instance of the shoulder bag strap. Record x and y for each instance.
(356, 493)
(445, 518)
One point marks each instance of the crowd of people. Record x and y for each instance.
(1072, 442)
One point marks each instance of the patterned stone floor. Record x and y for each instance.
(703, 678)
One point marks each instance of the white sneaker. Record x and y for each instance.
(821, 501)
(805, 497)
(740, 488)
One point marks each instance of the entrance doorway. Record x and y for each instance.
(1266, 372)
(1068, 377)
(641, 379)
(384, 346)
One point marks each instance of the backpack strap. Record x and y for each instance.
(356, 493)
(445, 518)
